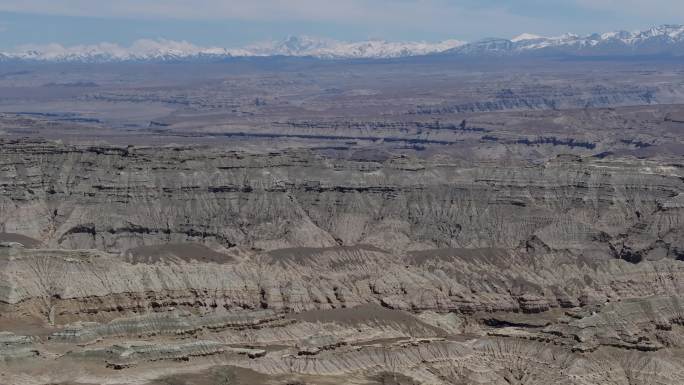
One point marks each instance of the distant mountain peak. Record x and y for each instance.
(147, 49)
(328, 48)
(661, 40)
(526, 36)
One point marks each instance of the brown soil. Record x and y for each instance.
(28, 242)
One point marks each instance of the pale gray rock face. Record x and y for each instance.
(300, 266)
(114, 200)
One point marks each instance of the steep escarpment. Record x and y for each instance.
(434, 316)
(115, 199)
(65, 286)
(203, 265)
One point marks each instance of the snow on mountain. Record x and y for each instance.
(147, 49)
(144, 49)
(326, 48)
(291, 46)
(526, 36)
(665, 39)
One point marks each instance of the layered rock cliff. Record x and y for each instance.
(115, 199)
(165, 264)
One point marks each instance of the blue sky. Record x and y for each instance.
(234, 23)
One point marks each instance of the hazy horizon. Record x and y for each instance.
(235, 24)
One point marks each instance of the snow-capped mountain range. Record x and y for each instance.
(332, 49)
(666, 39)
(302, 46)
(663, 40)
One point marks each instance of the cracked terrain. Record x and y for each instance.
(413, 221)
